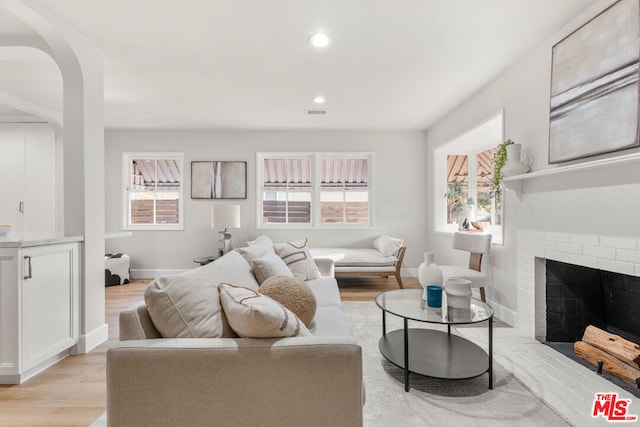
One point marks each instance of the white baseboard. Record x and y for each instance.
(409, 272)
(147, 273)
(503, 313)
(91, 340)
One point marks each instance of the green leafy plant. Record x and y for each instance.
(455, 199)
(499, 159)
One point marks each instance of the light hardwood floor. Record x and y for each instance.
(73, 392)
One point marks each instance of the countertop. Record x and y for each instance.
(25, 240)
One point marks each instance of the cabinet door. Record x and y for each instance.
(11, 173)
(50, 310)
(39, 193)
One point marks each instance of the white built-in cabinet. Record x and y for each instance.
(28, 165)
(39, 305)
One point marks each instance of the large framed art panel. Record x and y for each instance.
(218, 180)
(594, 86)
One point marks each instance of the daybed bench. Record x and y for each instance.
(384, 258)
(206, 375)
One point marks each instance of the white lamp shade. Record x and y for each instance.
(225, 216)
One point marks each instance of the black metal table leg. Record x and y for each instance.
(384, 323)
(491, 353)
(406, 354)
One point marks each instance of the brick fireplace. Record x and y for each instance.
(615, 254)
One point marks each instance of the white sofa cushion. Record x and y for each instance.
(268, 266)
(298, 258)
(253, 315)
(187, 305)
(330, 321)
(326, 291)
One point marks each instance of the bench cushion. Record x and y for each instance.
(354, 257)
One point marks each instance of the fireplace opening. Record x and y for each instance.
(577, 297)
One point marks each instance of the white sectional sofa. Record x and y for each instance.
(230, 381)
(383, 258)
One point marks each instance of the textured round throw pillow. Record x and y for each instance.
(293, 293)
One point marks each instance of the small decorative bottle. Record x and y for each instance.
(429, 273)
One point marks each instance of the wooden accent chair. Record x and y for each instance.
(477, 244)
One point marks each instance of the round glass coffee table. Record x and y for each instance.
(431, 352)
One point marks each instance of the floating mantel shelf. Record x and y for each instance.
(514, 183)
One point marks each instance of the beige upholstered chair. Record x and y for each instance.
(477, 244)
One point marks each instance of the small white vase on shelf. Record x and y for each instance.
(517, 161)
(429, 273)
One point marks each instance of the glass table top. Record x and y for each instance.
(408, 303)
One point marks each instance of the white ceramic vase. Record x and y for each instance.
(517, 161)
(429, 273)
(467, 212)
(458, 292)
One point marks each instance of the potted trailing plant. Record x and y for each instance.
(499, 159)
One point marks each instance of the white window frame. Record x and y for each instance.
(484, 136)
(316, 177)
(127, 158)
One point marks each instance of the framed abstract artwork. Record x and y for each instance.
(594, 86)
(218, 180)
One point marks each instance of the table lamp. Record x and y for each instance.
(225, 216)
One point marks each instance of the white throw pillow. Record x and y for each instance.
(258, 248)
(298, 258)
(387, 246)
(261, 240)
(268, 266)
(187, 305)
(253, 315)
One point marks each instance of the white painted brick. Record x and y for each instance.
(522, 234)
(584, 261)
(628, 256)
(525, 243)
(538, 253)
(557, 256)
(525, 259)
(637, 270)
(536, 235)
(545, 244)
(559, 237)
(616, 266)
(570, 248)
(619, 243)
(599, 252)
(526, 268)
(585, 239)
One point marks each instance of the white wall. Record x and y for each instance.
(400, 185)
(598, 201)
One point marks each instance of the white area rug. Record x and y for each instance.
(436, 402)
(431, 401)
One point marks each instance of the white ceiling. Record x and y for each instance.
(229, 64)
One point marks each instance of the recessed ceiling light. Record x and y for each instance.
(319, 99)
(319, 40)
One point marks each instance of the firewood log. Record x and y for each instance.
(610, 363)
(615, 345)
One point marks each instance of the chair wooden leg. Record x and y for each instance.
(399, 279)
(482, 296)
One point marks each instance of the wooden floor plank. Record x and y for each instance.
(73, 392)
